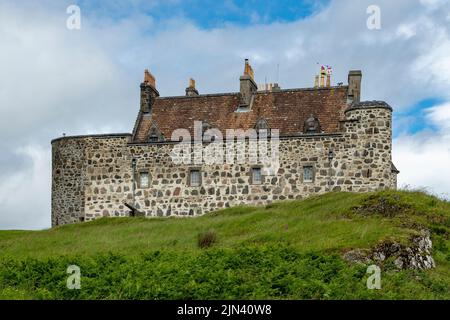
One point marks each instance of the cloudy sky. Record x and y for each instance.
(54, 80)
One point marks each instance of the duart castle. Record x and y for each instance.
(191, 154)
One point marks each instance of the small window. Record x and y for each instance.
(195, 178)
(144, 180)
(312, 125)
(261, 127)
(153, 138)
(308, 174)
(205, 126)
(155, 134)
(256, 176)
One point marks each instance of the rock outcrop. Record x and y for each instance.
(416, 255)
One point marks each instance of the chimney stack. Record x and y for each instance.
(190, 90)
(329, 72)
(316, 81)
(323, 74)
(247, 85)
(276, 87)
(148, 92)
(323, 79)
(354, 86)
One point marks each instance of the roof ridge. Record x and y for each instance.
(258, 92)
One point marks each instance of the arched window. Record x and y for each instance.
(154, 134)
(205, 126)
(261, 124)
(207, 137)
(312, 125)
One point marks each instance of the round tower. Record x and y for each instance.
(369, 126)
(67, 180)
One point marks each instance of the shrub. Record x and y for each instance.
(206, 239)
(245, 272)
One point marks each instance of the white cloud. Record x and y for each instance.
(406, 30)
(440, 115)
(433, 4)
(25, 193)
(424, 157)
(423, 160)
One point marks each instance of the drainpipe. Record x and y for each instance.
(133, 188)
(330, 159)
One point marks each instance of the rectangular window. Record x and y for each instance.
(144, 180)
(308, 174)
(195, 178)
(256, 176)
(153, 138)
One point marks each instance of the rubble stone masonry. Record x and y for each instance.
(93, 176)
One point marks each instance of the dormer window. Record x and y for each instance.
(153, 138)
(211, 137)
(261, 125)
(312, 125)
(205, 126)
(154, 134)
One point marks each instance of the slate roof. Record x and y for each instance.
(286, 110)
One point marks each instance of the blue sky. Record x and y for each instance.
(210, 14)
(414, 118)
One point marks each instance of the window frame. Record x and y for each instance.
(139, 179)
(260, 125)
(313, 172)
(252, 180)
(154, 135)
(317, 124)
(153, 138)
(189, 182)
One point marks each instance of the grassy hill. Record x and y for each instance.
(287, 250)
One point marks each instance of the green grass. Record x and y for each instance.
(287, 250)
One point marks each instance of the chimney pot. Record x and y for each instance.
(248, 70)
(149, 78)
(191, 83)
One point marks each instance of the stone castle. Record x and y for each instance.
(328, 140)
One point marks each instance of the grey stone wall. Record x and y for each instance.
(92, 176)
(68, 171)
(72, 160)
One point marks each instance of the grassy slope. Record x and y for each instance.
(290, 249)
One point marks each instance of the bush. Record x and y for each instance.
(206, 239)
(246, 272)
